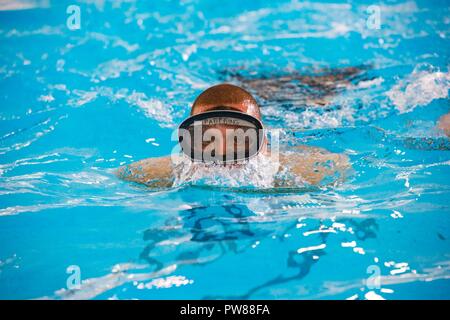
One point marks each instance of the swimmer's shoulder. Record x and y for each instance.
(312, 165)
(153, 172)
(444, 124)
(315, 165)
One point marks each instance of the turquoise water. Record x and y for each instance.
(77, 104)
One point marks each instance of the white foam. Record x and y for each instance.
(258, 172)
(371, 295)
(312, 248)
(425, 84)
(312, 118)
(153, 108)
(11, 5)
(115, 68)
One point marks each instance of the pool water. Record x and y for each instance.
(76, 104)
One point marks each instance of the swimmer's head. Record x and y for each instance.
(228, 121)
(226, 97)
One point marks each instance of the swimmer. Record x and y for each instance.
(216, 112)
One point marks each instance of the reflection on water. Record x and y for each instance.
(203, 235)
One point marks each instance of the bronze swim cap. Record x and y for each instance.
(226, 97)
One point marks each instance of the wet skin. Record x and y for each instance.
(444, 124)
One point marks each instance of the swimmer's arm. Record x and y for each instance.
(153, 172)
(444, 124)
(326, 84)
(315, 166)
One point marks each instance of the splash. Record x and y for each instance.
(10, 5)
(425, 84)
(258, 172)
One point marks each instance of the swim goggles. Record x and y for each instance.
(221, 136)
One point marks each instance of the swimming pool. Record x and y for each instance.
(76, 104)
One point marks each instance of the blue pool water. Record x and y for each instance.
(76, 104)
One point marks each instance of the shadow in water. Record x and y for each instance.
(202, 235)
